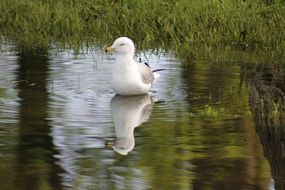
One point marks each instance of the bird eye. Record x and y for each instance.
(122, 44)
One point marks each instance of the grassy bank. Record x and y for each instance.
(181, 24)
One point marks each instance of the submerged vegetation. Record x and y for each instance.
(178, 25)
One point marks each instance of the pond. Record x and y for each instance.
(62, 127)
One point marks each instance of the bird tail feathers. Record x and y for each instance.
(156, 74)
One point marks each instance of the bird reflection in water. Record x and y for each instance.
(128, 112)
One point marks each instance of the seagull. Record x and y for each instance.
(129, 77)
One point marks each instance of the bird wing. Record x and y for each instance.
(146, 73)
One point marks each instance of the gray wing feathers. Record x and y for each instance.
(146, 73)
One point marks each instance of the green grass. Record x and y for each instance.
(178, 25)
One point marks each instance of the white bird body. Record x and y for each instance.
(126, 79)
(129, 77)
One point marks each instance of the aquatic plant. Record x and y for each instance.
(207, 111)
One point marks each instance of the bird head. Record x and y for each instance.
(122, 45)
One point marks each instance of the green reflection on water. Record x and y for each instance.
(32, 164)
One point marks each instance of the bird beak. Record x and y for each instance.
(109, 49)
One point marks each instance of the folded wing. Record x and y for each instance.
(146, 73)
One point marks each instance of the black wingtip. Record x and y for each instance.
(157, 70)
(146, 64)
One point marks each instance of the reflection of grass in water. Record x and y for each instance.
(274, 113)
(266, 90)
(34, 24)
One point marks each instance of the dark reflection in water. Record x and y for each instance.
(128, 113)
(36, 163)
(267, 100)
(214, 146)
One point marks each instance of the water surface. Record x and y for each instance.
(62, 127)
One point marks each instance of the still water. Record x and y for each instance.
(62, 127)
